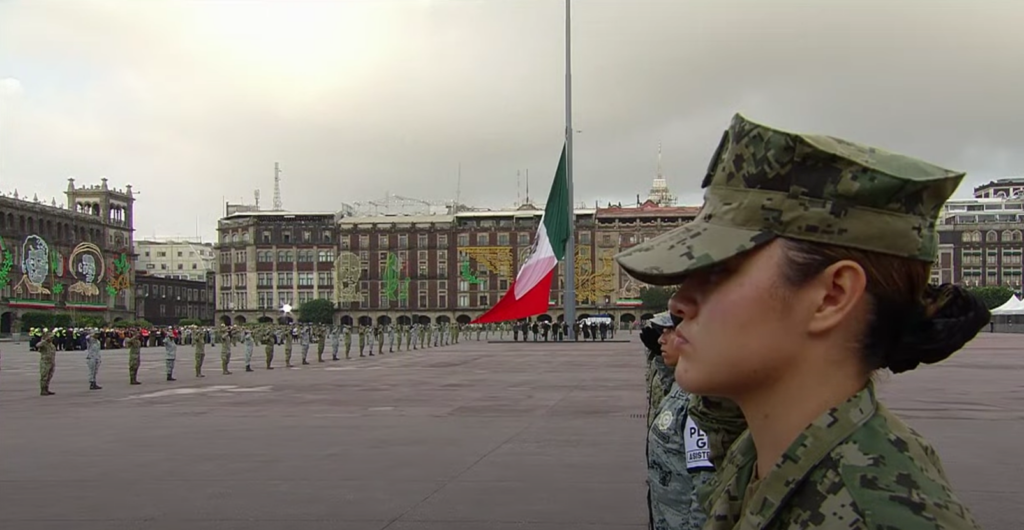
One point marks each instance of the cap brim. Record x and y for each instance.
(668, 258)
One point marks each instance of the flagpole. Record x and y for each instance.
(569, 291)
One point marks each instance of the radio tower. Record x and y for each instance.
(277, 188)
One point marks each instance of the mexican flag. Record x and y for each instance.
(530, 292)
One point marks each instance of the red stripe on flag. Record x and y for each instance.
(534, 302)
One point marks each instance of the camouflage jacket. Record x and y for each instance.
(856, 467)
(678, 465)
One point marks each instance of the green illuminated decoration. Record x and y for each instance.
(57, 288)
(6, 263)
(119, 275)
(467, 273)
(395, 287)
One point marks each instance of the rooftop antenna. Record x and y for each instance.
(256, 194)
(519, 196)
(458, 189)
(528, 186)
(277, 187)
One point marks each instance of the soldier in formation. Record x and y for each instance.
(269, 340)
(225, 351)
(321, 343)
(93, 359)
(200, 356)
(47, 363)
(134, 358)
(250, 344)
(348, 342)
(335, 343)
(288, 348)
(170, 356)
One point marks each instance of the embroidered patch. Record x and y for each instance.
(664, 420)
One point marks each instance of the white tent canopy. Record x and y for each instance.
(1013, 306)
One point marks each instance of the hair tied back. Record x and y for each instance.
(948, 318)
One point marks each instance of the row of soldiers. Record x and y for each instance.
(412, 337)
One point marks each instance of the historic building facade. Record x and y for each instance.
(981, 242)
(437, 268)
(74, 258)
(166, 301)
(185, 260)
(268, 260)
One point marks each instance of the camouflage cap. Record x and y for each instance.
(764, 183)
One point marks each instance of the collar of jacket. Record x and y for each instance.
(807, 450)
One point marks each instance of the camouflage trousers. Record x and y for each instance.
(269, 350)
(200, 356)
(134, 360)
(94, 369)
(305, 351)
(248, 354)
(47, 365)
(225, 358)
(169, 365)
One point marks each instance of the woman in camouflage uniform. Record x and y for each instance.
(806, 271)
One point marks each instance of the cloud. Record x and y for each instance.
(194, 101)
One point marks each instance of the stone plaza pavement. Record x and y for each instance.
(464, 437)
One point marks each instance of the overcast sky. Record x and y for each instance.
(194, 101)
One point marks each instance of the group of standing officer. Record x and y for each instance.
(367, 338)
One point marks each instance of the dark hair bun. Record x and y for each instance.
(949, 317)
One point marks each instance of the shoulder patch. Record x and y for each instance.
(698, 455)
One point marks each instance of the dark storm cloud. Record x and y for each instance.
(407, 91)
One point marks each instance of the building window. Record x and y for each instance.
(325, 236)
(364, 241)
(305, 296)
(991, 236)
(403, 241)
(325, 279)
(284, 279)
(305, 256)
(305, 279)
(421, 241)
(266, 237)
(345, 243)
(482, 300)
(382, 241)
(284, 298)
(264, 279)
(442, 240)
(442, 300)
(463, 240)
(240, 279)
(284, 256)
(325, 256)
(265, 299)
(524, 239)
(584, 238)
(503, 239)
(502, 284)
(286, 237)
(483, 240)
(463, 300)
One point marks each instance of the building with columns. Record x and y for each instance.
(74, 257)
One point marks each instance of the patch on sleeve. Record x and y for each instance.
(698, 455)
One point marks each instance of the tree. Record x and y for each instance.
(317, 311)
(185, 322)
(656, 298)
(993, 296)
